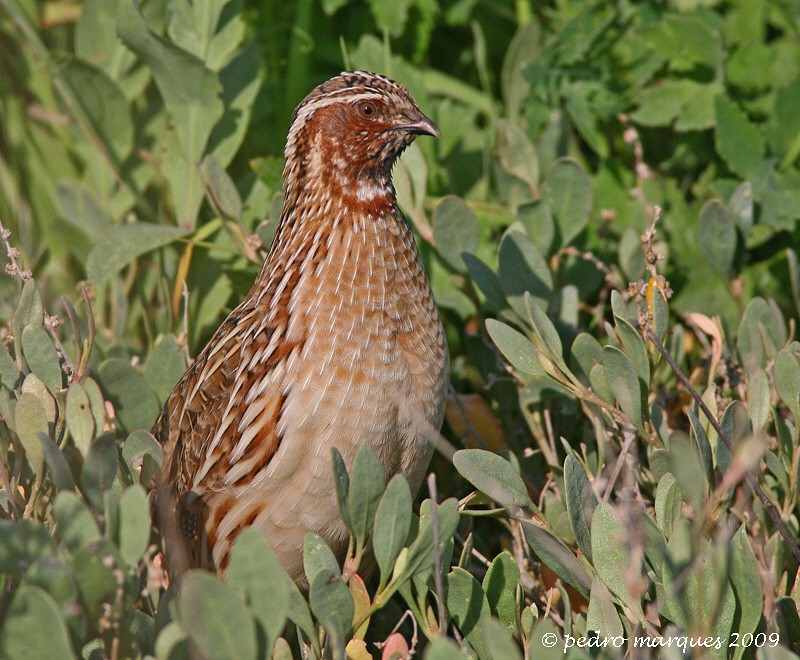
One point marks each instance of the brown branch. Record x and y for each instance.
(437, 559)
(767, 503)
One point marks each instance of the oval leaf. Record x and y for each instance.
(493, 475)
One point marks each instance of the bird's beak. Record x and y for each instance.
(422, 126)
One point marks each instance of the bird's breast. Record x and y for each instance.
(372, 365)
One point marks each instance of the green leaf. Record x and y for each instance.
(557, 556)
(467, 604)
(547, 333)
(29, 312)
(493, 475)
(366, 487)
(121, 244)
(455, 231)
(172, 642)
(297, 612)
(318, 557)
(164, 367)
(578, 103)
(546, 641)
(57, 464)
(96, 401)
(703, 446)
(602, 616)
(611, 544)
(567, 190)
(142, 456)
(221, 188)
(786, 372)
(342, 482)
(599, 384)
(500, 585)
(191, 92)
(392, 524)
(759, 403)
(537, 219)
(94, 564)
(81, 207)
(134, 524)
(699, 597)
(390, 16)
(740, 207)
(624, 385)
(522, 269)
(420, 554)
(633, 345)
(216, 618)
(80, 420)
(581, 503)
(256, 573)
(687, 467)
(516, 154)
(487, 281)
(34, 627)
(9, 373)
(241, 81)
(668, 503)
(515, 347)
(584, 354)
(135, 403)
(629, 254)
(655, 545)
(498, 640)
(788, 624)
(716, 232)
(736, 425)
(76, 525)
(332, 605)
(100, 469)
(105, 106)
(746, 583)
(30, 419)
(738, 141)
(32, 385)
(687, 103)
(761, 334)
(22, 543)
(42, 358)
(442, 648)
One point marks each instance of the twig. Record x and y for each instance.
(767, 503)
(16, 514)
(470, 426)
(51, 323)
(185, 336)
(88, 344)
(437, 559)
(12, 267)
(630, 435)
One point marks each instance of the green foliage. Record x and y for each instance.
(607, 223)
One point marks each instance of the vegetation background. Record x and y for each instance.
(609, 223)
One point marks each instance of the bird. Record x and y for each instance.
(338, 344)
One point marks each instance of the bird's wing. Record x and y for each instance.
(219, 425)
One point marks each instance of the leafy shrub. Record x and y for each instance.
(605, 222)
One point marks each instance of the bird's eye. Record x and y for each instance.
(367, 109)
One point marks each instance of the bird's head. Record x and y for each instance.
(351, 129)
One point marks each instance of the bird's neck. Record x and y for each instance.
(324, 209)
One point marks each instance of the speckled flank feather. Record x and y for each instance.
(338, 344)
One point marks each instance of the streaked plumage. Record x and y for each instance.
(338, 344)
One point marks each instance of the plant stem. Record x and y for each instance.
(767, 503)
